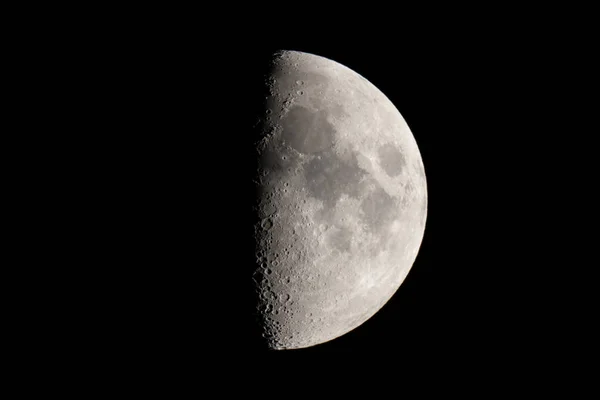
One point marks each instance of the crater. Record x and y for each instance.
(267, 224)
(309, 82)
(391, 160)
(267, 210)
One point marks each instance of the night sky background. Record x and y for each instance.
(169, 145)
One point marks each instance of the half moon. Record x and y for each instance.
(342, 202)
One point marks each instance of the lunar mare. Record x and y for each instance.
(342, 202)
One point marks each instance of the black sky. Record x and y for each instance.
(173, 172)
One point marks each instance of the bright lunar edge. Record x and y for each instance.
(341, 201)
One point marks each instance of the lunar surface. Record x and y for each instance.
(342, 201)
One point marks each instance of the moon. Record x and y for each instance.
(341, 201)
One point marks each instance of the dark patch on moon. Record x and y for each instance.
(307, 131)
(391, 160)
(328, 177)
(277, 161)
(341, 239)
(378, 208)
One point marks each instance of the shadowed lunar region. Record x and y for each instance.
(341, 204)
